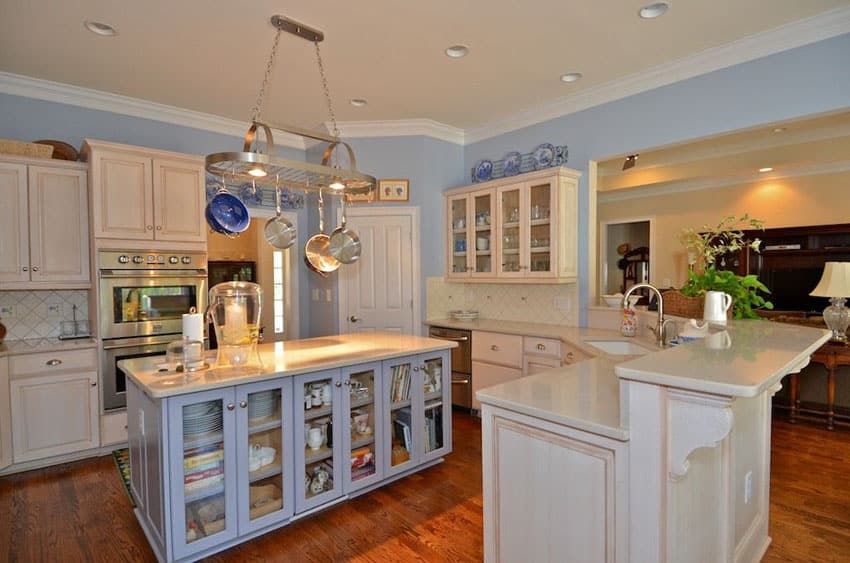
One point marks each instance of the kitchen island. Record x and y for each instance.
(225, 454)
(664, 457)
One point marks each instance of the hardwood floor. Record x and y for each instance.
(79, 511)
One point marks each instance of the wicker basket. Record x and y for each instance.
(679, 305)
(20, 148)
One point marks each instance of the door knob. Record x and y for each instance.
(354, 319)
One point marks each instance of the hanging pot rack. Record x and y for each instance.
(252, 164)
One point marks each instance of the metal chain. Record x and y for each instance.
(335, 130)
(258, 105)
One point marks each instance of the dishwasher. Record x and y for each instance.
(461, 363)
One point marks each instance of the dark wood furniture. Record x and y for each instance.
(831, 355)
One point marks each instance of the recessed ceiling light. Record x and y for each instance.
(358, 102)
(766, 169)
(457, 51)
(100, 28)
(778, 129)
(570, 77)
(654, 10)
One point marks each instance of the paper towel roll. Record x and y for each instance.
(193, 326)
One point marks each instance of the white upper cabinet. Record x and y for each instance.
(44, 227)
(141, 194)
(521, 229)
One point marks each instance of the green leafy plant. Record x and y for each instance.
(706, 246)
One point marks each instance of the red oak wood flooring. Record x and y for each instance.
(79, 512)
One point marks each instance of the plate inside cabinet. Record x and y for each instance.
(512, 163)
(544, 155)
(61, 150)
(483, 170)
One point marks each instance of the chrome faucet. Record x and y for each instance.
(665, 330)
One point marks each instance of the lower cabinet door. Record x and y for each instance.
(318, 460)
(202, 460)
(402, 410)
(264, 453)
(486, 375)
(363, 450)
(54, 415)
(435, 382)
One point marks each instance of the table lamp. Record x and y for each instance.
(835, 284)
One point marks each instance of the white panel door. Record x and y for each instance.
(376, 292)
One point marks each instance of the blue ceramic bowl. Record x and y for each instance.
(229, 212)
(214, 224)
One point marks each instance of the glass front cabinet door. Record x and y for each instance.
(458, 240)
(484, 239)
(510, 209)
(317, 439)
(540, 237)
(418, 417)
(264, 449)
(363, 454)
(203, 487)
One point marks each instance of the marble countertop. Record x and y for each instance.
(278, 359)
(34, 346)
(585, 396)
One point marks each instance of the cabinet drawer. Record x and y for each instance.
(542, 346)
(53, 362)
(496, 348)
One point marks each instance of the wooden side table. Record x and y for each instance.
(831, 355)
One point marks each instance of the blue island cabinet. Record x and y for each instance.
(213, 468)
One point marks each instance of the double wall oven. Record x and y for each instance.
(142, 296)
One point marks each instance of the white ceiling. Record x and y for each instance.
(209, 55)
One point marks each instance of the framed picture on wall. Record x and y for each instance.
(393, 190)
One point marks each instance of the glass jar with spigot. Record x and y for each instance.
(234, 310)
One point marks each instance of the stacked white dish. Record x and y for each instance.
(464, 315)
(262, 404)
(201, 418)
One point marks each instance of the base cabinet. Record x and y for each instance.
(213, 468)
(551, 493)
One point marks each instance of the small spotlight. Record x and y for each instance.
(257, 172)
(630, 161)
(766, 169)
(336, 184)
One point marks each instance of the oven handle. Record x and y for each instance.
(111, 274)
(460, 382)
(450, 338)
(123, 346)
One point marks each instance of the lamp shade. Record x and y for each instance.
(835, 281)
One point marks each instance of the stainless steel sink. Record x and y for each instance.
(619, 347)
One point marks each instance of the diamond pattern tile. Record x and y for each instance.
(31, 318)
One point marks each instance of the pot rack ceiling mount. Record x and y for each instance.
(253, 164)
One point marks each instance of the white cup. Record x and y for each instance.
(482, 243)
(314, 438)
(718, 341)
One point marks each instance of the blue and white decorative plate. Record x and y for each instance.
(483, 170)
(251, 194)
(512, 162)
(544, 156)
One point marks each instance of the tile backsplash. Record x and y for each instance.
(538, 303)
(38, 314)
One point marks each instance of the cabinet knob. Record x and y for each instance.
(570, 356)
(149, 227)
(354, 319)
(494, 348)
(25, 269)
(346, 383)
(243, 404)
(53, 362)
(35, 268)
(94, 383)
(541, 347)
(230, 406)
(159, 227)
(338, 384)
(415, 368)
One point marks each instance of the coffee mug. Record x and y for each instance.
(482, 243)
(718, 341)
(314, 438)
(716, 305)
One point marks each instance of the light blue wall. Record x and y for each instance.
(794, 83)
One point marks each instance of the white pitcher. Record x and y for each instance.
(716, 305)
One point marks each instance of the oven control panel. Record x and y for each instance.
(151, 260)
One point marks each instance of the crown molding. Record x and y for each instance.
(18, 85)
(789, 36)
(680, 186)
(399, 128)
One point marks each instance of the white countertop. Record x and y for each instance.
(281, 359)
(34, 346)
(585, 396)
(759, 354)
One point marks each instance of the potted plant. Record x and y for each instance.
(712, 243)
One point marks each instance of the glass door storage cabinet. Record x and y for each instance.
(201, 431)
(472, 244)
(318, 461)
(418, 415)
(362, 405)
